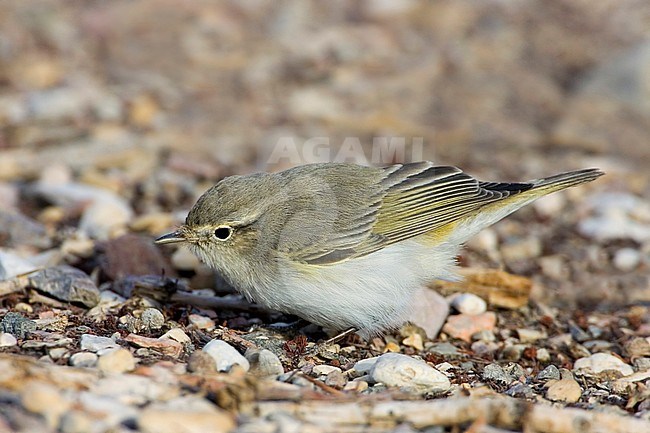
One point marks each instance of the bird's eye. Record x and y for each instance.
(223, 233)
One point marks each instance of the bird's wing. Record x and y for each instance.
(421, 198)
(406, 201)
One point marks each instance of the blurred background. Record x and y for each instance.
(154, 101)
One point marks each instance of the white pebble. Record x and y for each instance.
(627, 259)
(7, 340)
(394, 369)
(224, 355)
(95, 343)
(469, 303)
(599, 362)
(324, 370)
(83, 359)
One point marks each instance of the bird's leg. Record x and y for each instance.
(322, 347)
(340, 336)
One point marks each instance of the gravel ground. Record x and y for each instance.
(116, 116)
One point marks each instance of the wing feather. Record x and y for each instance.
(411, 200)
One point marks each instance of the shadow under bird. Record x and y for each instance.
(346, 246)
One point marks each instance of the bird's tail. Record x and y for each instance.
(522, 194)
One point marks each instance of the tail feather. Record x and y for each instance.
(521, 195)
(566, 180)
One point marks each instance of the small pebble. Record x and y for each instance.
(601, 362)
(496, 373)
(543, 355)
(513, 352)
(17, 325)
(482, 348)
(57, 352)
(577, 333)
(530, 335)
(116, 361)
(201, 322)
(549, 373)
(412, 375)
(414, 341)
(463, 326)
(469, 303)
(627, 259)
(83, 359)
(7, 340)
(95, 343)
(336, 379)
(166, 346)
(446, 350)
(565, 390)
(324, 369)
(264, 363)
(521, 390)
(356, 386)
(224, 355)
(515, 370)
(484, 335)
(152, 319)
(202, 363)
(176, 334)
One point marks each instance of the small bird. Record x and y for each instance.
(346, 246)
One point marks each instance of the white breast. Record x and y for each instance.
(371, 293)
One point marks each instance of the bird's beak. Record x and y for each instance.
(171, 238)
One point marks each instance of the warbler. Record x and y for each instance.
(346, 246)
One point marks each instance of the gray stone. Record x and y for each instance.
(445, 350)
(95, 343)
(17, 325)
(152, 319)
(264, 363)
(549, 373)
(66, 284)
(521, 390)
(496, 373)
